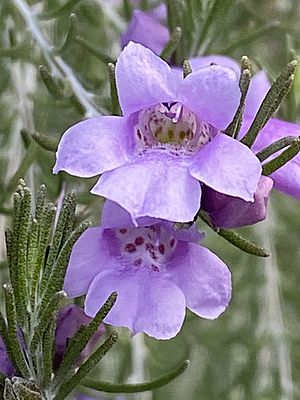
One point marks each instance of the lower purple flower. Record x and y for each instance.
(156, 271)
(70, 319)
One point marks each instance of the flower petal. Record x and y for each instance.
(86, 261)
(206, 61)
(146, 302)
(258, 88)
(204, 279)
(287, 178)
(146, 30)
(115, 216)
(154, 188)
(231, 212)
(143, 79)
(227, 166)
(92, 147)
(212, 93)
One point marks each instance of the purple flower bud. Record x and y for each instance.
(147, 30)
(70, 319)
(6, 366)
(232, 212)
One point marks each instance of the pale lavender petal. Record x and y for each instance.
(212, 93)
(232, 212)
(115, 216)
(287, 178)
(224, 61)
(146, 301)
(227, 166)
(93, 146)
(204, 279)
(153, 188)
(86, 261)
(143, 79)
(259, 86)
(146, 30)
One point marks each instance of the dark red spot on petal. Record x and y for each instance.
(139, 241)
(161, 248)
(172, 242)
(130, 247)
(138, 262)
(123, 231)
(154, 268)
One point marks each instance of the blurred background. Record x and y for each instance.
(253, 350)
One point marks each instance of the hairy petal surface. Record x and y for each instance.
(153, 188)
(143, 79)
(204, 279)
(92, 147)
(227, 166)
(212, 93)
(146, 302)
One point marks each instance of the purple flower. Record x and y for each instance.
(70, 319)
(169, 139)
(287, 178)
(147, 30)
(232, 212)
(156, 271)
(6, 366)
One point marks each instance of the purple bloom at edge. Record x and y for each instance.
(145, 29)
(287, 178)
(168, 139)
(6, 366)
(156, 271)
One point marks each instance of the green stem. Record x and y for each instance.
(137, 387)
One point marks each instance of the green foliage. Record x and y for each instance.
(252, 351)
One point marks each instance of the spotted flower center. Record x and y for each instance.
(171, 126)
(149, 247)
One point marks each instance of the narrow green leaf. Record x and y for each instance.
(60, 11)
(48, 351)
(51, 84)
(45, 141)
(67, 387)
(270, 103)
(71, 34)
(15, 347)
(137, 387)
(43, 320)
(235, 239)
(58, 271)
(172, 44)
(187, 69)
(282, 159)
(115, 105)
(67, 210)
(274, 147)
(234, 127)
(80, 340)
(22, 253)
(96, 52)
(45, 229)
